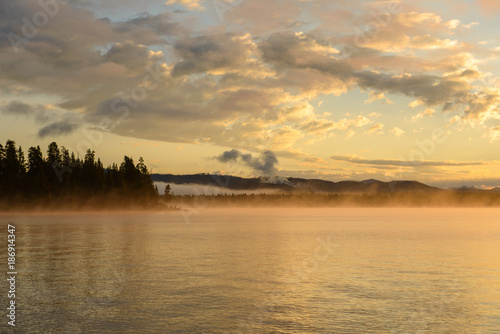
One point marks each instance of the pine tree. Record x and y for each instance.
(89, 172)
(131, 176)
(38, 183)
(22, 161)
(53, 154)
(2, 168)
(167, 196)
(13, 171)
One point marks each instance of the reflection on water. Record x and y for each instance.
(260, 271)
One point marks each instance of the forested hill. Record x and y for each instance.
(295, 184)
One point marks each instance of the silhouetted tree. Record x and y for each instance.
(22, 160)
(113, 178)
(167, 197)
(38, 183)
(142, 167)
(131, 176)
(53, 154)
(35, 159)
(13, 171)
(65, 158)
(2, 168)
(62, 175)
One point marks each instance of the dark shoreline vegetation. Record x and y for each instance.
(442, 198)
(60, 181)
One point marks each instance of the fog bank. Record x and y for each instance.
(197, 189)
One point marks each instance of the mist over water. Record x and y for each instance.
(260, 271)
(197, 189)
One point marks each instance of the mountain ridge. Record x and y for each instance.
(295, 184)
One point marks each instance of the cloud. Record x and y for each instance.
(229, 156)
(250, 79)
(447, 90)
(265, 163)
(163, 24)
(406, 31)
(348, 123)
(41, 113)
(210, 53)
(403, 163)
(376, 129)
(57, 129)
(128, 55)
(397, 131)
(190, 4)
(374, 96)
(22, 109)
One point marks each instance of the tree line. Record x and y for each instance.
(443, 198)
(60, 177)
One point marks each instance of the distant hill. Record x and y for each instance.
(295, 184)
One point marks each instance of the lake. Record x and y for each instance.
(258, 271)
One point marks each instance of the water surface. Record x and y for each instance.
(260, 271)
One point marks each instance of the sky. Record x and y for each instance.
(335, 90)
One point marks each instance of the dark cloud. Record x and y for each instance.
(163, 23)
(229, 156)
(208, 52)
(40, 113)
(57, 129)
(264, 164)
(128, 54)
(20, 108)
(431, 90)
